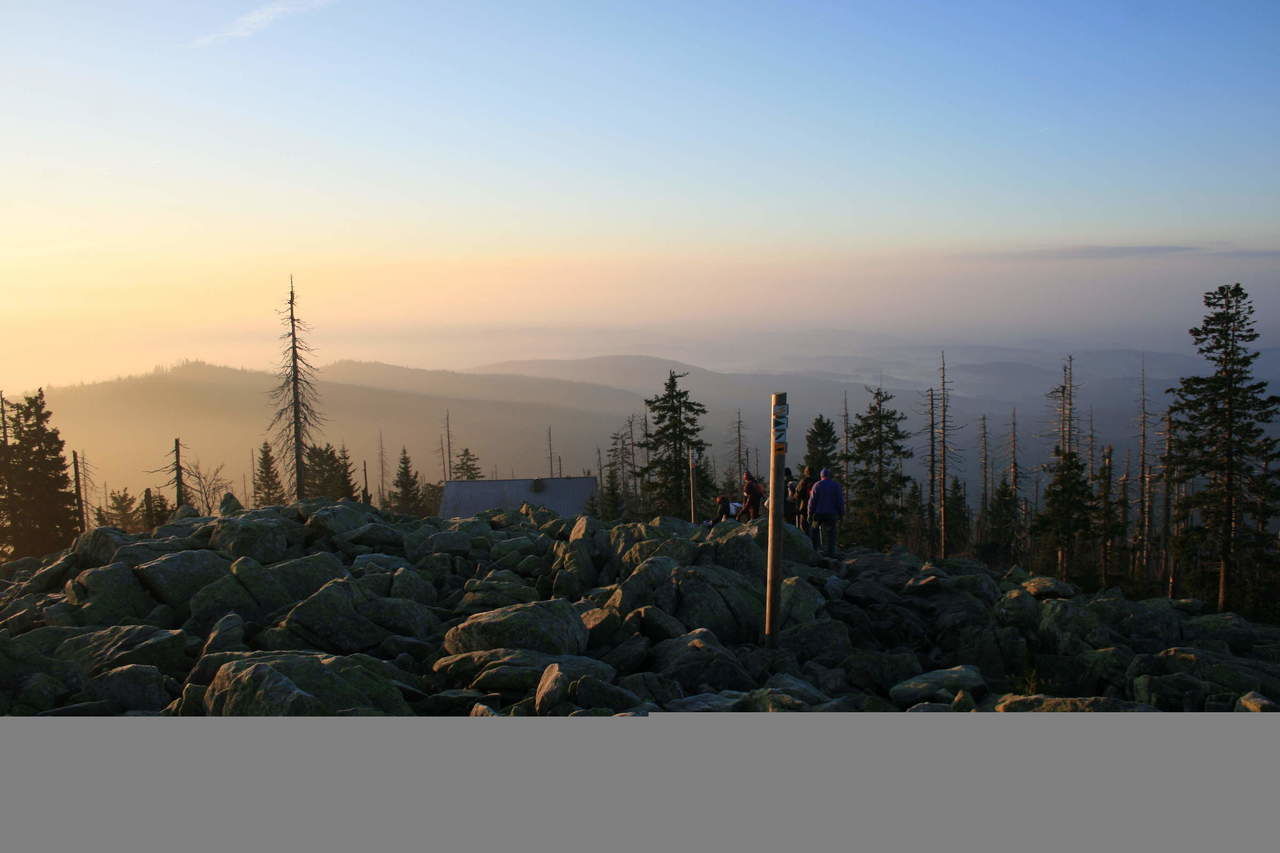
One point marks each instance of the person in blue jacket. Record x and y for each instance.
(826, 508)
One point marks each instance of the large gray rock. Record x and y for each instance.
(876, 672)
(337, 518)
(1068, 628)
(740, 553)
(700, 663)
(97, 546)
(711, 597)
(53, 576)
(1179, 691)
(798, 688)
(134, 687)
(498, 589)
(301, 577)
(377, 535)
(410, 584)
(109, 595)
(213, 602)
(642, 583)
(553, 627)
(175, 578)
(451, 542)
(21, 658)
(264, 540)
(825, 641)
(1224, 672)
(799, 602)
(768, 700)
(331, 619)
(703, 703)
(591, 692)
(552, 692)
(299, 683)
(146, 550)
(1042, 587)
(98, 651)
(1019, 609)
(1227, 629)
(466, 667)
(227, 635)
(940, 685)
(651, 687)
(655, 623)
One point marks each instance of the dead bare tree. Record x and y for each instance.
(946, 449)
(207, 487)
(1143, 534)
(297, 415)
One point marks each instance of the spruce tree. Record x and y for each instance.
(155, 509)
(4, 473)
(821, 445)
(467, 466)
(40, 507)
(267, 488)
(1068, 509)
(122, 511)
(668, 441)
(917, 535)
(329, 473)
(430, 496)
(1220, 443)
(405, 496)
(877, 447)
(613, 503)
(959, 518)
(345, 474)
(1002, 528)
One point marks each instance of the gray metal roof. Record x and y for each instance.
(566, 495)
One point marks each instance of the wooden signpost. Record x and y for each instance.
(693, 493)
(777, 468)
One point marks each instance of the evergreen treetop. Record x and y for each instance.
(821, 445)
(1219, 441)
(39, 504)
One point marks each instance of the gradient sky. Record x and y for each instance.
(981, 169)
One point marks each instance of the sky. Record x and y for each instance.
(452, 183)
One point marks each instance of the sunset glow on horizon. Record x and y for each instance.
(422, 166)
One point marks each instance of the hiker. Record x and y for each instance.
(789, 507)
(802, 490)
(826, 508)
(723, 509)
(752, 495)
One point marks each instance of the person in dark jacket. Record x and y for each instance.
(789, 507)
(752, 496)
(722, 509)
(826, 508)
(802, 490)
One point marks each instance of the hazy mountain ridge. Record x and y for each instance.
(502, 410)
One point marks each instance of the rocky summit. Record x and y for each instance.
(334, 608)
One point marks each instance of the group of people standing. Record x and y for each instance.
(814, 504)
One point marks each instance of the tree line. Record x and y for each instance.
(1193, 515)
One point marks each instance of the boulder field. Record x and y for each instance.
(335, 608)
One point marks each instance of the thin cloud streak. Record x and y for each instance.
(1115, 252)
(1103, 252)
(255, 21)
